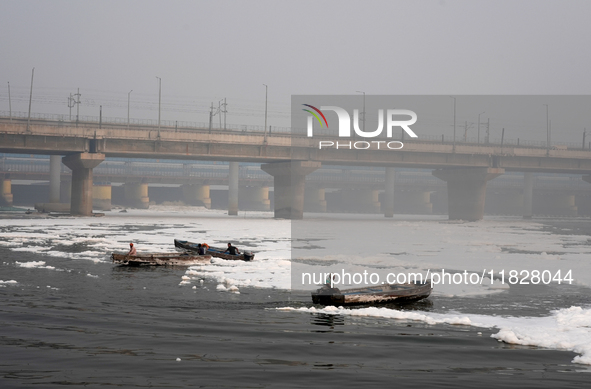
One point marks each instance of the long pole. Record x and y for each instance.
(128, 100)
(30, 99)
(364, 109)
(10, 104)
(225, 112)
(479, 126)
(77, 106)
(220, 113)
(211, 117)
(547, 131)
(466, 132)
(159, 99)
(265, 130)
(454, 144)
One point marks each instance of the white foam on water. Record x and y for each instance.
(494, 244)
(402, 244)
(263, 273)
(565, 329)
(34, 264)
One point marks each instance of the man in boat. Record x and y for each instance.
(132, 250)
(232, 250)
(202, 248)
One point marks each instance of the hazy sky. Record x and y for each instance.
(207, 50)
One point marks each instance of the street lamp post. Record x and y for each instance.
(10, 104)
(363, 108)
(30, 99)
(454, 144)
(128, 99)
(265, 130)
(479, 125)
(159, 99)
(547, 131)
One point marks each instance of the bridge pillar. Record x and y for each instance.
(415, 202)
(466, 190)
(583, 203)
(566, 205)
(198, 195)
(65, 191)
(81, 166)
(314, 200)
(233, 188)
(389, 195)
(505, 202)
(255, 198)
(55, 164)
(528, 195)
(101, 197)
(290, 184)
(6, 192)
(556, 204)
(361, 200)
(136, 195)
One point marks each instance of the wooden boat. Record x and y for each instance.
(214, 251)
(160, 259)
(377, 294)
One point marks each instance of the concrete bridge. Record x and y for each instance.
(288, 158)
(330, 188)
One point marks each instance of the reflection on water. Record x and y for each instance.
(323, 319)
(421, 305)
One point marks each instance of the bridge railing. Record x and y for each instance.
(185, 126)
(166, 125)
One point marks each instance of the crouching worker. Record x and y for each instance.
(202, 248)
(132, 250)
(232, 250)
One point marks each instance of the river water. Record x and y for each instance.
(70, 317)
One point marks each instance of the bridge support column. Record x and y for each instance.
(290, 184)
(55, 164)
(136, 195)
(65, 191)
(389, 195)
(101, 197)
(81, 166)
(233, 189)
(361, 200)
(256, 198)
(314, 200)
(466, 190)
(198, 195)
(583, 203)
(504, 202)
(415, 202)
(556, 204)
(6, 192)
(528, 195)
